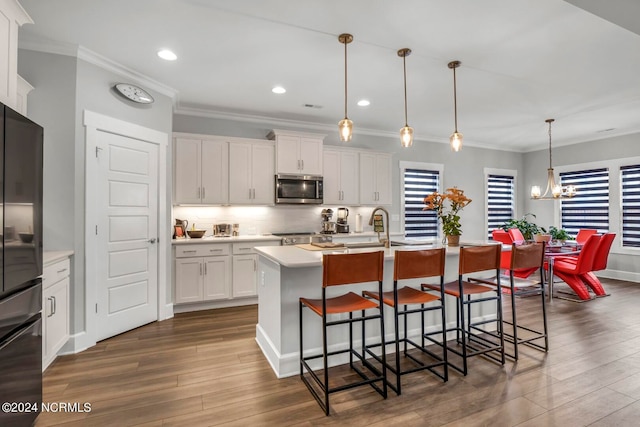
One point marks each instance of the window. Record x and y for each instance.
(589, 208)
(500, 200)
(417, 184)
(630, 183)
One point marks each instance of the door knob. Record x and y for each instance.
(152, 240)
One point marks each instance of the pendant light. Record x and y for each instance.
(557, 190)
(456, 137)
(406, 133)
(345, 126)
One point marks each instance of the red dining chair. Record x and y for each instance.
(516, 236)
(599, 263)
(570, 271)
(583, 235)
(499, 235)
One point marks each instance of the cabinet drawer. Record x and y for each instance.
(55, 272)
(247, 248)
(186, 251)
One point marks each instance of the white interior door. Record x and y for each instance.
(127, 231)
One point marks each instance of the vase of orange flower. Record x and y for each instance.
(447, 206)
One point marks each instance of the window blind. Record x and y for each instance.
(630, 182)
(418, 183)
(500, 201)
(589, 208)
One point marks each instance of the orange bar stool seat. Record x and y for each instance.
(340, 270)
(410, 265)
(473, 338)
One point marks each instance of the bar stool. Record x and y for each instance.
(470, 336)
(526, 257)
(345, 269)
(419, 264)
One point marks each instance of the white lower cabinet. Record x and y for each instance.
(202, 278)
(55, 309)
(215, 272)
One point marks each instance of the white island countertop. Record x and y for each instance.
(295, 257)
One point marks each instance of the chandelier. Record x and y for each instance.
(557, 191)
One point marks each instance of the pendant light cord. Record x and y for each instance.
(404, 65)
(550, 163)
(345, 79)
(455, 101)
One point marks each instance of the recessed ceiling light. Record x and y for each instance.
(167, 55)
(279, 90)
(364, 103)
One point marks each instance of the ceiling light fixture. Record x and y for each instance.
(456, 137)
(278, 90)
(167, 55)
(345, 126)
(364, 103)
(406, 133)
(557, 190)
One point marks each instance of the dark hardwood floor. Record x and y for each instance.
(205, 368)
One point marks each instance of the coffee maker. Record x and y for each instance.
(342, 226)
(328, 226)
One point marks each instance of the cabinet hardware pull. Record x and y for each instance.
(152, 240)
(243, 249)
(54, 305)
(201, 269)
(61, 271)
(189, 252)
(205, 269)
(203, 189)
(302, 164)
(215, 250)
(50, 307)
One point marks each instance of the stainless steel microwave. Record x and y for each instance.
(299, 189)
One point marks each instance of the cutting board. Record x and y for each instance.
(320, 246)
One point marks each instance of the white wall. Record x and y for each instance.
(64, 88)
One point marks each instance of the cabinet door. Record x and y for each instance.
(217, 277)
(215, 172)
(56, 317)
(367, 179)
(240, 188)
(331, 178)
(263, 174)
(349, 178)
(288, 152)
(383, 179)
(311, 156)
(244, 275)
(187, 171)
(189, 273)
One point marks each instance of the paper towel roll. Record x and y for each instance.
(358, 223)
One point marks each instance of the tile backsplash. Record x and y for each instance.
(269, 219)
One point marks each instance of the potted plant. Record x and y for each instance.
(447, 206)
(527, 228)
(559, 234)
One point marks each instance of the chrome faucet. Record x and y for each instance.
(387, 242)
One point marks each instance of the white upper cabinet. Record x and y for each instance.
(251, 173)
(201, 171)
(375, 178)
(341, 177)
(12, 16)
(298, 153)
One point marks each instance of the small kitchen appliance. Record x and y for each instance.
(180, 228)
(342, 226)
(328, 226)
(222, 230)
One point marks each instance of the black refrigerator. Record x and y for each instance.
(20, 268)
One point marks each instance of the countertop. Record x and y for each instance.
(50, 257)
(211, 239)
(294, 257)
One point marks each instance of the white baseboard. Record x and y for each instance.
(620, 275)
(197, 306)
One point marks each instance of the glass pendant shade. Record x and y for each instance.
(535, 191)
(406, 136)
(345, 129)
(456, 141)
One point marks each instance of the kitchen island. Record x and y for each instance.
(286, 273)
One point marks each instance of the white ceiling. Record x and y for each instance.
(523, 61)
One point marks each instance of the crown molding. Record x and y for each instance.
(87, 55)
(16, 12)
